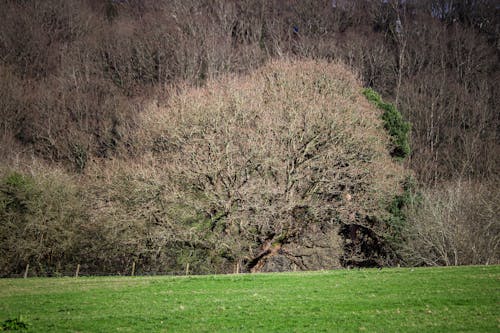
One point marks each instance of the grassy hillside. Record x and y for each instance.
(458, 299)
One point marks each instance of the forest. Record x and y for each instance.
(248, 136)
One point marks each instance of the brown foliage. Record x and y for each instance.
(458, 224)
(87, 59)
(260, 158)
(42, 221)
(450, 100)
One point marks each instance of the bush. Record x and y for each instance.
(454, 224)
(41, 217)
(393, 123)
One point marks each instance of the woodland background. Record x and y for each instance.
(79, 78)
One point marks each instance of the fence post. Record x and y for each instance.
(77, 270)
(187, 269)
(26, 271)
(133, 268)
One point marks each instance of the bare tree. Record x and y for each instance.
(264, 158)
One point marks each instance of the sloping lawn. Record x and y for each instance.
(458, 299)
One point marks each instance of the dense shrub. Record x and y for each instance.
(41, 222)
(456, 224)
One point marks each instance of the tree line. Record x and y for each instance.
(77, 77)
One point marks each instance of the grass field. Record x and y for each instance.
(460, 299)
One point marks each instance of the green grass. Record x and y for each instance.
(459, 299)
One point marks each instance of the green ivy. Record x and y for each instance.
(394, 123)
(397, 218)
